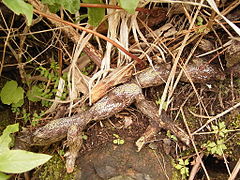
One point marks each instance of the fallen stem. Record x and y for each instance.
(107, 6)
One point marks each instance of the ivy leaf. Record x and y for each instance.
(95, 15)
(129, 5)
(19, 161)
(32, 93)
(5, 138)
(20, 7)
(11, 93)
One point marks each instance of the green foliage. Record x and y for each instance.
(71, 5)
(84, 137)
(129, 5)
(12, 94)
(87, 69)
(220, 129)
(5, 139)
(17, 161)
(34, 92)
(159, 101)
(20, 7)
(215, 147)
(4, 176)
(118, 140)
(199, 21)
(95, 15)
(182, 166)
(173, 137)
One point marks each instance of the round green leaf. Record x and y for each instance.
(32, 93)
(11, 93)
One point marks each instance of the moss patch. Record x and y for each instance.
(53, 169)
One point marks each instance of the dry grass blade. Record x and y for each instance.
(216, 117)
(235, 171)
(214, 7)
(176, 60)
(194, 144)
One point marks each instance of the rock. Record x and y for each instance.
(123, 162)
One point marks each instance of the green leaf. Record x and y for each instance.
(121, 141)
(178, 166)
(33, 92)
(4, 176)
(95, 15)
(71, 5)
(11, 93)
(164, 106)
(19, 161)
(5, 138)
(129, 5)
(20, 7)
(18, 104)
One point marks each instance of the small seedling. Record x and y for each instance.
(159, 101)
(182, 166)
(84, 137)
(174, 138)
(118, 140)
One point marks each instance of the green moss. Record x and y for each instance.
(53, 169)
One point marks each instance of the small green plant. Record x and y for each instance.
(159, 101)
(215, 147)
(199, 21)
(220, 129)
(16, 161)
(173, 137)
(182, 167)
(61, 152)
(84, 137)
(118, 140)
